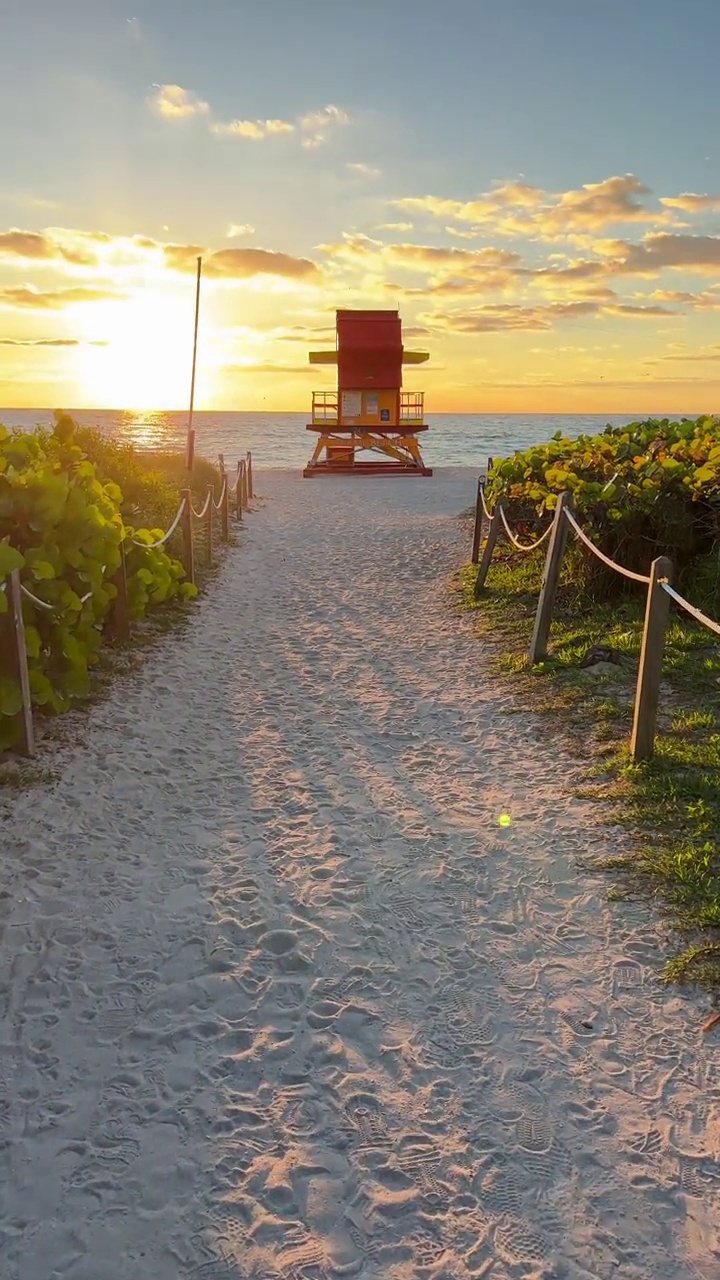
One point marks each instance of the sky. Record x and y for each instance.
(535, 184)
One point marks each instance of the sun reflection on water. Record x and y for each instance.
(148, 429)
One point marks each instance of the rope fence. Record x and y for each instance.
(237, 489)
(658, 584)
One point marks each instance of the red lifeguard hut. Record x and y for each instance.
(369, 412)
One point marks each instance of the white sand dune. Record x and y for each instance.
(281, 998)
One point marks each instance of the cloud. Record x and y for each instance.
(449, 270)
(362, 170)
(437, 257)
(25, 244)
(705, 353)
(462, 235)
(436, 260)
(254, 130)
(497, 317)
(241, 264)
(665, 250)
(268, 366)
(53, 300)
(316, 125)
(39, 342)
(100, 251)
(395, 226)
(42, 245)
(304, 333)
(655, 253)
(182, 257)
(517, 208)
(173, 102)
(473, 286)
(132, 27)
(689, 202)
(237, 229)
(48, 342)
(633, 309)
(707, 300)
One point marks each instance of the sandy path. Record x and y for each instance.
(279, 996)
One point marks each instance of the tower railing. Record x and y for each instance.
(325, 407)
(412, 408)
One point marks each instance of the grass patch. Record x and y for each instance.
(671, 804)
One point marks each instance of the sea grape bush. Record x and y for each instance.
(62, 526)
(647, 489)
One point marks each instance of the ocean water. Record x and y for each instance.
(281, 439)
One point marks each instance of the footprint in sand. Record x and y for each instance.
(517, 1241)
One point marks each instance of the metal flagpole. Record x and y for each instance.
(190, 454)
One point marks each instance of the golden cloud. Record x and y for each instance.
(243, 264)
(35, 245)
(517, 209)
(316, 124)
(433, 257)
(39, 342)
(689, 202)
(255, 130)
(707, 300)
(303, 333)
(663, 250)
(173, 102)
(267, 366)
(53, 300)
(705, 353)
(639, 309)
(471, 286)
(497, 317)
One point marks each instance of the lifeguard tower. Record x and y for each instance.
(369, 412)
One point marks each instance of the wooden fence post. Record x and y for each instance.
(225, 510)
(224, 504)
(239, 491)
(550, 579)
(210, 514)
(187, 530)
(477, 531)
(248, 467)
(18, 663)
(120, 613)
(642, 742)
(492, 537)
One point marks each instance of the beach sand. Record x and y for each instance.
(280, 995)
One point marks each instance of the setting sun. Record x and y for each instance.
(145, 359)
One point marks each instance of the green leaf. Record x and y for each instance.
(10, 697)
(72, 649)
(32, 642)
(10, 559)
(42, 569)
(77, 683)
(40, 688)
